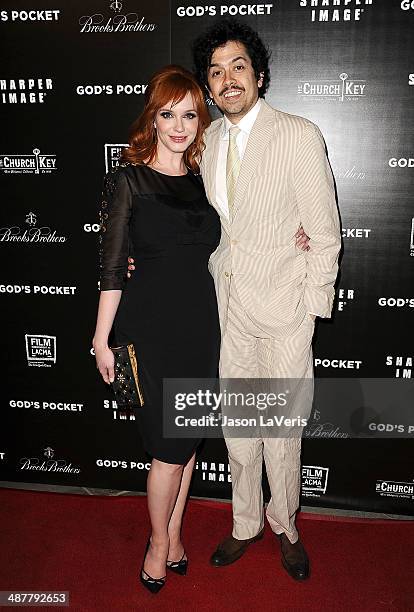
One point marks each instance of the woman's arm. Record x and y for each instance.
(116, 212)
(108, 305)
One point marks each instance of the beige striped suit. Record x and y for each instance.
(266, 288)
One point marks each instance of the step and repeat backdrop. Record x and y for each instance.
(72, 79)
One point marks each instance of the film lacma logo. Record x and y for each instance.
(112, 155)
(314, 480)
(40, 350)
(340, 89)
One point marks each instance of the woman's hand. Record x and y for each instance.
(105, 362)
(131, 266)
(302, 239)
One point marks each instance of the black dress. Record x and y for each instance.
(168, 307)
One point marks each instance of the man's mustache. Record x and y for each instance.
(230, 89)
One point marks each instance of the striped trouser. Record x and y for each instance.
(249, 353)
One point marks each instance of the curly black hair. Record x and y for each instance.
(218, 35)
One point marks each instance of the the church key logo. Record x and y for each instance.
(339, 89)
(34, 163)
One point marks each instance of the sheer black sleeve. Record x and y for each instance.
(115, 214)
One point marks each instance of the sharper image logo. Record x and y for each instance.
(335, 10)
(24, 91)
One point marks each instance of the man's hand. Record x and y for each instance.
(130, 266)
(302, 240)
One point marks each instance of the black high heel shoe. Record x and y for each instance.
(178, 567)
(154, 585)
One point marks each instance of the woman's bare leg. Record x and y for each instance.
(174, 527)
(163, 485)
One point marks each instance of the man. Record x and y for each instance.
(266, 173)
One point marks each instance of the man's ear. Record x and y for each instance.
(260, 80)
(210, 95)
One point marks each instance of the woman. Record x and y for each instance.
(155, 203)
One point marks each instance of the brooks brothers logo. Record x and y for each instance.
(24, 91)
(351, 174)
(341, 89)
(395, 488)
(48, 463)
(402, 365)
(316, 429)
(40, 350)
(335, 10)
(314, 480)
(28, 164)
(33, 234)
(119, 22)
(112, 155)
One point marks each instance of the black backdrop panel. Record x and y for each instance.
(72, 80)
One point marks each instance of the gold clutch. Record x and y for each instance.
(126, 385)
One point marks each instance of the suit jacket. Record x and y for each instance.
(285, 180)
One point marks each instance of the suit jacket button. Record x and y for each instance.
(226, 274)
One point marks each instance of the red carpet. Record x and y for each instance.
(92, 547)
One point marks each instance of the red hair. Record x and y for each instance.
(170, 84)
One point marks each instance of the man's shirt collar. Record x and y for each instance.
(245, 124)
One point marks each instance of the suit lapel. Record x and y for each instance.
(262, 131)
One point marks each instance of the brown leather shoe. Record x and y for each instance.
(230, 549)
(294, 558)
